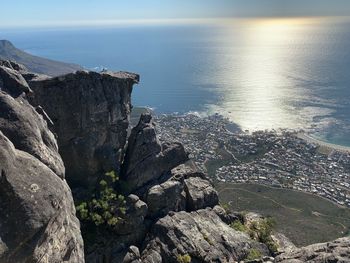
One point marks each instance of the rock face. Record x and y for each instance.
(146, 159)
(335, 251)
(111, 246)
(11, 81)
(185, 190)
(90, 113)
(13, 65)
(133, 255)
(37, 214)
(166, 197)
(200, 193)
(201, 235)
(28, 131)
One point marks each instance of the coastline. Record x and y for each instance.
(324, 146)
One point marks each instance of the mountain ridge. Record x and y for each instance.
(34, 63)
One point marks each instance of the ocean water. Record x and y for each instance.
(261, 73)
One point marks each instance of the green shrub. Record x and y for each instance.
(184, 258)
(226, 207)
(238, 226)
(262, 231)
(253, 254)
(106, 207)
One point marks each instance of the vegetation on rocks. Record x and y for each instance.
(184, 258)
(258, 230)
(253, 254)
(226, 207)
(106, 206)
(238, 226)
(262, 230)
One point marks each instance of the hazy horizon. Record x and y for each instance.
(42, 13)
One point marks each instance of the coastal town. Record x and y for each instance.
(278, 158)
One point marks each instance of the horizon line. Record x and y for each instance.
(161, 21)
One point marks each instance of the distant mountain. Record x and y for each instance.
(33, 63)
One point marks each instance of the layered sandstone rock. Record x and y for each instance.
(90, 112)
(146, 159)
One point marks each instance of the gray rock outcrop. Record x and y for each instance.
(11, 81)
(146, 159)
(201, 235)
(90, 112)
(112, 246)
(133, 255)
(13, 65)
(166, 197)
(28, 131)
(37, 213)
(335, 251)
(226, 216)
(185, 190)
(200, 193)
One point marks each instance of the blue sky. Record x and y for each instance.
(46, 12)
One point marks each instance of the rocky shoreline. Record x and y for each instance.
(73, 129)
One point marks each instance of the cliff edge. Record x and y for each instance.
(37, 213)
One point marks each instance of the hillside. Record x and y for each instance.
(319, 220)
(33, 63)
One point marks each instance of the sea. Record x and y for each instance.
(261, 73)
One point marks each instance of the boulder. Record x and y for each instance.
(11, 81)
(282, 242)
(37, 213)
(166, 197)
(28, 131)
(146, 159)
(201, 235)
(200, 194)
(133, 222)
(227, 216)
(90, 112)
(133, 255)
(13, 65)
(185, 190)
(334, 251)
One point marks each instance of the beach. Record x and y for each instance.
(325, 147)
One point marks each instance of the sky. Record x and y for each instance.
(65, 12)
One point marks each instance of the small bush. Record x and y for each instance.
(226, 207)
(238, 226)
(262, 232)
(184, 258)
(106, 207)
(253, 254)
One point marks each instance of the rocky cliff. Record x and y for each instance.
(90, 114)
(37, 214)
(76, 126)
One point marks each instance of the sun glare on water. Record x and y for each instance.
(262, 71)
